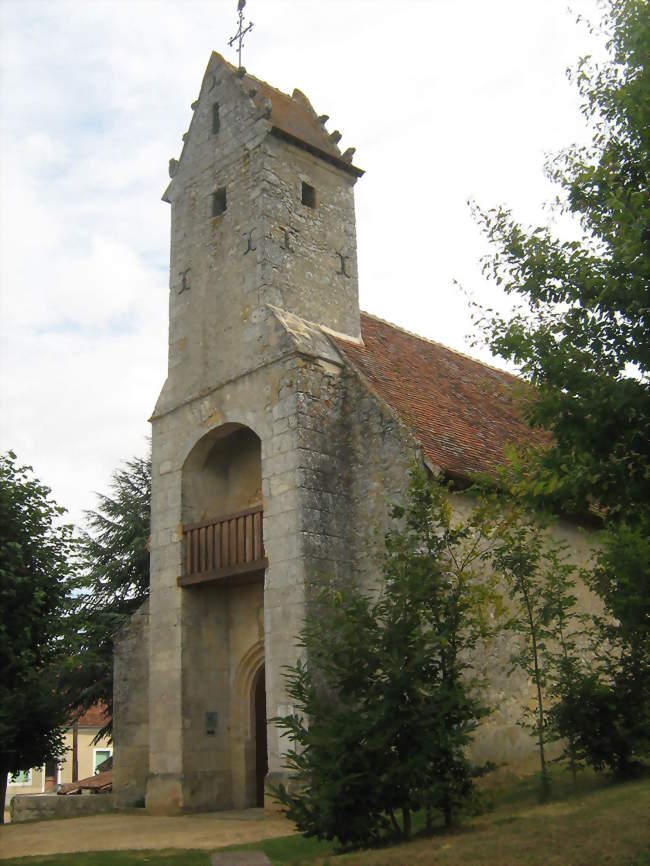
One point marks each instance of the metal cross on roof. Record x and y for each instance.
(241, 31)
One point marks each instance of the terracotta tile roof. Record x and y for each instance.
(294, 116)
(94, 717)
(462, 412)
(98, 783)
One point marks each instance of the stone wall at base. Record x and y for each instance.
(41, 807)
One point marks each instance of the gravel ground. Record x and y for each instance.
(124, 831)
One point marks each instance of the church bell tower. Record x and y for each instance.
(262, 213)
(262, 234)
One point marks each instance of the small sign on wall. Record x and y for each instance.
(210, 724)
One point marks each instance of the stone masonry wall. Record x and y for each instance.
(45, 807)
(215, 315)
(324, 476)
(131, 710)
(309, 260)
(376, 450)
(380, 450)
(501, 738)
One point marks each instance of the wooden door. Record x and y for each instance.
(261, 759)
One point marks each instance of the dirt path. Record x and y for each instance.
(138, 831)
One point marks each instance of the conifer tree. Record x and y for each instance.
(112, 581)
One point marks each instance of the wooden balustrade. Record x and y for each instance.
(224, 547)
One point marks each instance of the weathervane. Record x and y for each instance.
(242, 31)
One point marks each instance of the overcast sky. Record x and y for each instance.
(445, 100)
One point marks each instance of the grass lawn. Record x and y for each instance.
(587, 824)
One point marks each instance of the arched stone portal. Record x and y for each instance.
(248, 724)
(223, 622)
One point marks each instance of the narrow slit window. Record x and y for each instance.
(308, 195)
(216, 123)
(219, 202)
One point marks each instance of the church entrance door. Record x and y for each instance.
(261, 759)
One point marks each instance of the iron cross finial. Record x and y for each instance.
(241, 31)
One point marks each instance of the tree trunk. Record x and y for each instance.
(396, 826)
(569, 673)
(406, 817)
(75, 752)
(3, 791)
(447, 812)
(572, 757)
(538, 684)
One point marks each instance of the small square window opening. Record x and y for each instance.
(308, 195)
(219, 202)
(216, 123)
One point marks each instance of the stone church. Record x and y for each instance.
(283, 431)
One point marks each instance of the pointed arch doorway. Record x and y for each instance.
(248, 724)
(261, 755)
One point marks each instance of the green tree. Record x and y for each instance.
(519, 559)
(566, 636)
(582, 331)
(581, 335)
(112, 580)
(385, 703)
(607, 712)
(539, 580)
(34, 590)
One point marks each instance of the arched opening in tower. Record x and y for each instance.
(222, 506)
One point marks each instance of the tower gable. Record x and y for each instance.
(225, 116)
(262, 213)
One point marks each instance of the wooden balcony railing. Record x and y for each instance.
(224, 547)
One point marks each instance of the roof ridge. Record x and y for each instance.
(443, 345)
(462, 412)
(292, 117)
(247, 74)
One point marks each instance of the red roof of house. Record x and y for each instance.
(94, 717)
(462, 412)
